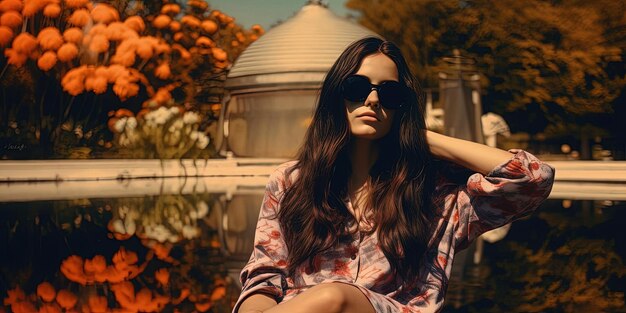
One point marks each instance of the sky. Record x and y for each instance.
(268, 12)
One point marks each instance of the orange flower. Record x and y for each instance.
(11, 19)
(240, 37)
(25, 43)
(97, 304)
(50, 38)
(162, 47)
(161, 21)
(73, 34)
(122, 258)
(52, 10)
(99, 85)
(98, 29)
(190, 21)
(258, 29)
(6, 35)
(23, 307)
(67, 52)
(104, 13)
(145, 47)
(46, 291)
(66, 299)
(47, 61)
(209, 26)
(118, 31)
(15, 57)
(218, 293)
(99, 44)
(73, 83)
(203, 304)
(143, 298)
(162, 276)
(175, 26)
(79, 18)
(184, 54)
(198, 4)
(32, 7)
(220, 54)
(125, 59)
(98, 263)
(204, 42)
(163, 71)
(136, 23)
(170, 8)
(184, 293)
(11, 5)
(124, 89)
(14, 295)
(178, 36)
(49, 308)
(73, 4)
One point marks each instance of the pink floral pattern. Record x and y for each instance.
(510, 191)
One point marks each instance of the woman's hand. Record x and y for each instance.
(474, 156)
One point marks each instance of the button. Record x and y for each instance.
(353, 256)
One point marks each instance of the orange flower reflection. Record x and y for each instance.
(73, 4)
(47, 61)
(97, 304)
(66, 299)
(163, 71)
(46, 291)
(162, 276)
(162, 21)
(15, 58)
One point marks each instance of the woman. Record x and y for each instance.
(364, 221)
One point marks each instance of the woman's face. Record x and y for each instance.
(368, 119)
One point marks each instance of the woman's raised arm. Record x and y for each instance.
(474, 156)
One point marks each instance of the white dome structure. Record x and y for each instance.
(273, 86)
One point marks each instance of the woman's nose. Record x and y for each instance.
(372, 99)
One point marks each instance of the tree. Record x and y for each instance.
(544, 62)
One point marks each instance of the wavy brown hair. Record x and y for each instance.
(313, 213)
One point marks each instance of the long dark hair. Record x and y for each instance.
(313, 213)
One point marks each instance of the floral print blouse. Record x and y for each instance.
(510, 191)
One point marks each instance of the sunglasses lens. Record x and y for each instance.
(391, 94)
(356, 88)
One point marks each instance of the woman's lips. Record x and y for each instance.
(367, 118)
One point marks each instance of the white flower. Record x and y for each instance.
(120, 124)
(203, 141)
(175, 110)
(202, 209)
(189, 232)
(177, 125)
(191, 118)
(131, 123)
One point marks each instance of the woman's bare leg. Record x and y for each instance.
(327, 297)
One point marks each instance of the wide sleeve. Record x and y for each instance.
(265, 272)
(510, 191)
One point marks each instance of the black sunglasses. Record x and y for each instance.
(391, 94)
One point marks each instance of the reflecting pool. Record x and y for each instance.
(183, 252)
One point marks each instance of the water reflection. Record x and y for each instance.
(153, 253)
(184, 252)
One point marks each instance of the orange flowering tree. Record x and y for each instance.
(70, 68)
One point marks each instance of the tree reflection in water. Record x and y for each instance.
(568, 257)
(174, 253)
(143, 254)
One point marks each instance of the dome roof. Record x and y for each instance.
(308, 42)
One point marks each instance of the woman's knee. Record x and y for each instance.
(331, 296)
